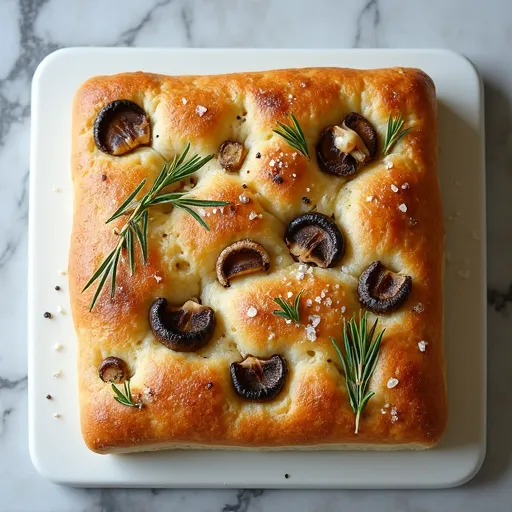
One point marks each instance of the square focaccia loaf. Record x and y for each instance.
(354, 227)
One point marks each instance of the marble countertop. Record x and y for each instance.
(30, 29)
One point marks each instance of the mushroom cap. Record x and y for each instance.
(315, 238)
(364, 129)
(382, 291)
(259, 379)
(231, 155)
(333, 160)
(241, 258)
(330, 159)
(113, 369)
(184, 329)
(120, 127)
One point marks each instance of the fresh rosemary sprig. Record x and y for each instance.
(136, 227)
(125, 398)
(394, 132)
(359, 361)
(293, 135)
(288, 310)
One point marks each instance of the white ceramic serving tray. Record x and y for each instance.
(56, 445)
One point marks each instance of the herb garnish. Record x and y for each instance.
(359, 361)
(288, 310)
(294, 135)
(126, 398)
(394, 132)
(136, 227)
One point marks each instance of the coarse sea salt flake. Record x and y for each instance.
(405, 186)
(402, 207)
(272, 163)
(310, 333)
(369, 199)
(422, 345)
(315, 320)
(343, 309)
(252, 312)
(243, 199)
(394, 188)
(184, 101)
(392, 382)
(309, 303)
(289, 295)
(201, 111)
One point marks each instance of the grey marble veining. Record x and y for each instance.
(30, 29)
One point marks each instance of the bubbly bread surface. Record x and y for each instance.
(390, 211)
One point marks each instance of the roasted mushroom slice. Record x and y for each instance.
(113, 369)
(342, 150)
(259, 379)
(231, 155)
(120, 127)
(184, 329)
(241, 258)
(381, 290)
(315, 238)
(364, 129)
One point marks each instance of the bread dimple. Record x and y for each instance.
(189, 398)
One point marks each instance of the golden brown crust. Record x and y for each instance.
(188, 398)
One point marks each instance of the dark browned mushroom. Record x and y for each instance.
(381, 290)
(184, 329)
(342, 150)
(120, 127)
(364, 129)
(259, 379)
(113, 369)
(231, 155)
(315, 238)
(239, 259)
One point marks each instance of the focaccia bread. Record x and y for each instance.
(338, 211)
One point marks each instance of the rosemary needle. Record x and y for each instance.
(288, 311)
(293, 135)
(394, 132)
